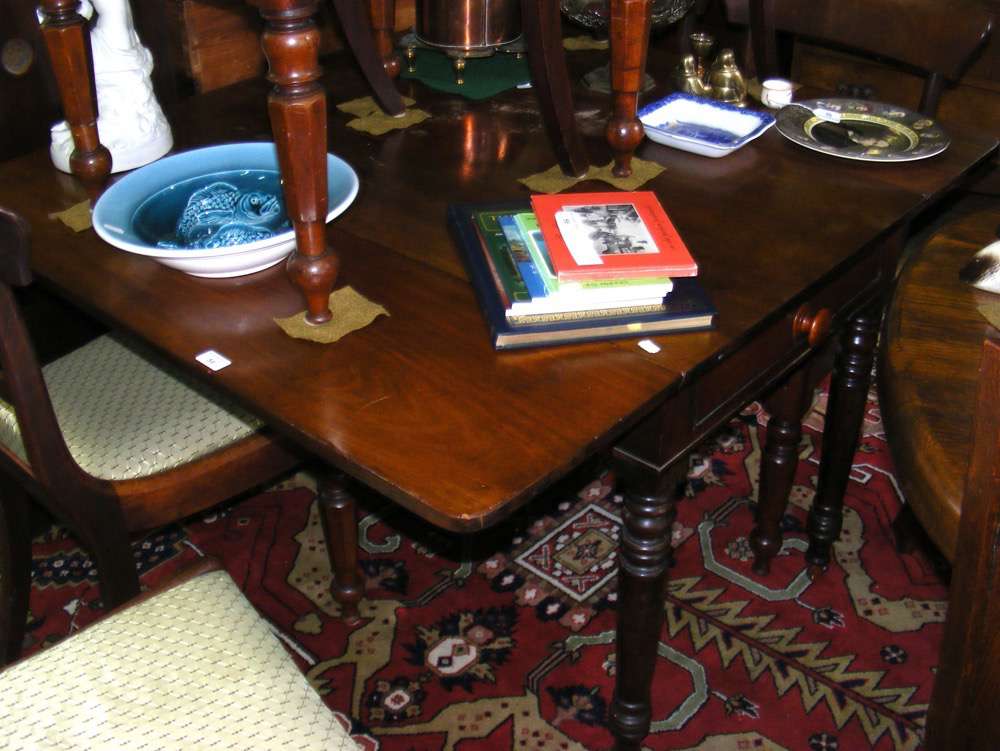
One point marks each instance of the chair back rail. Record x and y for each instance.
(937, 39)
(51, 462)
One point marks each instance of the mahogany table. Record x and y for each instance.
(420, 407)
(928, 374)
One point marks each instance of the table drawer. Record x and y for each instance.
(742, 376)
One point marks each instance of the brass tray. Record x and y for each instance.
(868, 131)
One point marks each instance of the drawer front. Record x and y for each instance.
(740, 377)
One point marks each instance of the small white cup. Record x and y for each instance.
(776, 93)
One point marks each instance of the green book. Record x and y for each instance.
(527, 222)
(502, 259)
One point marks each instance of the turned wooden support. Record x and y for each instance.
(297, 108)
(644, 560)
(68, 43)
(383, 25)
(629, 35)
(844, 414)
(339, 516)
(787, 406)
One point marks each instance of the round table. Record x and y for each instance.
(928, 373)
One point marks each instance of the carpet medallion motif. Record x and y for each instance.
(506, 640)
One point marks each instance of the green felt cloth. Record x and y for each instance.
(484, 76)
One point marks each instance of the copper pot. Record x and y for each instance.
(468, 28)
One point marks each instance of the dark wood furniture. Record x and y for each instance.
(937, 39)
(972, 100)
(928, 374)
(939, 390)
(950, 37)
(298, 104)
(418, 406)
(102, 512)
(29, 102)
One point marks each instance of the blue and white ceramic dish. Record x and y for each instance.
(702, 126)
(214, 212)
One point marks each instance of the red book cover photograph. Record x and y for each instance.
(593, 236)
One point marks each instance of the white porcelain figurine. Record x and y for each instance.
(130, 122)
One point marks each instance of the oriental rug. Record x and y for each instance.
(506, 641)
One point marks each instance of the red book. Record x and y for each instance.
(592, 236)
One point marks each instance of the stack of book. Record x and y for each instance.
(578, 267)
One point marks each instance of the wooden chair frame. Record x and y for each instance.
(951, 34)
(102, 513)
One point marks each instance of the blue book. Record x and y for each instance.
(685, 308)
(522, 257)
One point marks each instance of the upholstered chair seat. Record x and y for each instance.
(193, 667)
(124, 417)
(112, 442)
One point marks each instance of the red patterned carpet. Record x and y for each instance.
(506, 641)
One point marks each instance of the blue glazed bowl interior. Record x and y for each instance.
(215, 210)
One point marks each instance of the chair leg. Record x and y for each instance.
(383, 22)
(906, 530)
(108, 541)
(15, 569)
(356, 23)
(910, 537)
(543, 36)
(338, 512)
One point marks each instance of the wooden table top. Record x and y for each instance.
(928, 373)
(418, 405)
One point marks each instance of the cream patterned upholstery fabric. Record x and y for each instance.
(192, 668)
(124, 417)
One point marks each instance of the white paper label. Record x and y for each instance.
(213, 360)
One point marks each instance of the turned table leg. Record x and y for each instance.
(644, 561)
(68, 44)
(787, 406)
(338, 513)
(844, 413)
(297, 108)
(629, 34)
(384, 24)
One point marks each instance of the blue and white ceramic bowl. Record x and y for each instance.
(213, 212)
(702, 126)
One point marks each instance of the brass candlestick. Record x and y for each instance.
(701, 45)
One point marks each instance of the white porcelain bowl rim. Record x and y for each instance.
(131, 190)
(749, 124)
